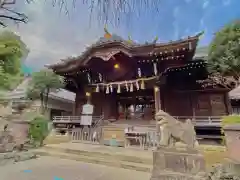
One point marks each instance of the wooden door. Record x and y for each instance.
(218, 105)
(203, 106)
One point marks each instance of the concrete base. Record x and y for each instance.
(233, 166)
(172, 163)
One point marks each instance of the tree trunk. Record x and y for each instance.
(46, 99)
(42, 102)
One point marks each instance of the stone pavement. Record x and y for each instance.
(103, 149)
(46, 168)
(120, 150)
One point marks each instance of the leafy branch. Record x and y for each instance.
(42, 83)
(107, 10)
(224, 58)
(9, 14)
(214, 80)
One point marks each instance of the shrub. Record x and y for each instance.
(38, 130)
(226, 120)
(233, 119)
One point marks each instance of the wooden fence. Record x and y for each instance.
(87, 134)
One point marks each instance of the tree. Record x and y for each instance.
(9, 14)
(107, 10)
(12, 50)
(224, 57)
(42, 83)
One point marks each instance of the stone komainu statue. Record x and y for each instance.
(172, 131)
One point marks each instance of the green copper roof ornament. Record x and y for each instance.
(130, 41)
(155, 40)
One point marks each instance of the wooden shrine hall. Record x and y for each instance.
(127, 81)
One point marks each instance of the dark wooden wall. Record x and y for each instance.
(177, 103)
(195, 103)
(103, 103)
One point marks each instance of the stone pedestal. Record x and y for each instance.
(232, 135)
(176, 164)
(19, 129)
(232, 167)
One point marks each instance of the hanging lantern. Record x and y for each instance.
(190, 45)
(131, 87)
(107, 90)
(139, 72)
(111, 88)
(89, 78)
(155, 68)
(97, 88)
(137, 85)
(142, 85)
(126, 85)
(118, 89)
(100, 77)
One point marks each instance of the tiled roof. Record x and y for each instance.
(129, 47)
(20, 91)
(235, 93)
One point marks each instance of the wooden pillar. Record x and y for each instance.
(157, 99)
(75, 105)
(228, 104)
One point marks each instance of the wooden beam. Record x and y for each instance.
(157, 99)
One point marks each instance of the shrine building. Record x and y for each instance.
(128, 82)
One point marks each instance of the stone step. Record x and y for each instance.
(106, 155)
(55, 139)
(96, 160)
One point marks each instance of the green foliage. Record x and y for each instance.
(224, 51)
(38, 129)
(3, 100)
(232, 119)
(12, 51)
(42, 83)
(46, 79)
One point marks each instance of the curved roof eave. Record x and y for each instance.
(129, 48)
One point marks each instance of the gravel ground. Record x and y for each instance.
(48, 168)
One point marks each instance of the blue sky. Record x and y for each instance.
(51, 35)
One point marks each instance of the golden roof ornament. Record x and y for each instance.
(107, 35)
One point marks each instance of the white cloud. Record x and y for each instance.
(175, 12)
(51, 35)
(205, 4)
(176, 30)
(187, 31)
(226, 2)
(202, 22)
(188, 1)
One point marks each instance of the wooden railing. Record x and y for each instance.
(197, 120)
(202, 120)
(76, 119)
(92, 135)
